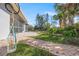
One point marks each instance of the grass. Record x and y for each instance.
(53, 38)
(58, 39)
(26, 50)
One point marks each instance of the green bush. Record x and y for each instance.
(67, 32)
(59, 31)
(69, 28)
(70, 33)
(76, 26)
(71, 36)
(72, 40)
(52, 31)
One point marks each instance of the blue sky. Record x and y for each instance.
(30, 10)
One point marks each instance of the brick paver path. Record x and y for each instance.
(56, 49)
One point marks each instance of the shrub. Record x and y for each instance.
(76, 26)
(59, 31)
(69, 28)
(52, 31)
(72, 40)
(70, 33)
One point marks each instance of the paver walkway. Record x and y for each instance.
(56, 49)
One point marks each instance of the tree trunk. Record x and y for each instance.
(61, 22)
(71, 21)
(65, 24)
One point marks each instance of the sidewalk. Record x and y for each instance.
(56, 49)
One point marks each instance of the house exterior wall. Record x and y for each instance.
(18, 23)
(5, 24)
(4, 31)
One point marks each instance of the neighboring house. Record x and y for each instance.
(20, 23)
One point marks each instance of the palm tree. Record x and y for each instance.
(61, 12)
(71, 13)
(69, 10)
(60, 18)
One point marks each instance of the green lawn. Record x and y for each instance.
(58, 38)
(53, 38)
(26, 50)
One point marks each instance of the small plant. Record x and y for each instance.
(52, 31)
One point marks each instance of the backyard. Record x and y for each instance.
(40, 44)
(56, 37)
(48, 31)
